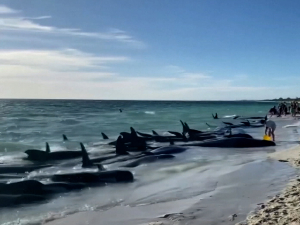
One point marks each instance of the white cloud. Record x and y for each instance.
(6, 10)
(12, 22)
(27, 24)
(53, 60)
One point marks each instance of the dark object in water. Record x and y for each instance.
(34, 187)
(13, 200)
(104, 136)
(21, 168)
(87, 162)
(167, 150)
(40, 155)
(215, 116)
(282, 160)
(65, 137)
(236, 142)
(95, 177)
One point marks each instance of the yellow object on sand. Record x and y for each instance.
(267, 138)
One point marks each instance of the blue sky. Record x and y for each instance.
(158, 49)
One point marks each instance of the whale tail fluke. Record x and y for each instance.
(47, 147)
(65, 137)
(104, 136)
(86, 162)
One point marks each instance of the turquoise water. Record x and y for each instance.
(36, 121)
(30, 123)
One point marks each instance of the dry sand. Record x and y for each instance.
(283, 209)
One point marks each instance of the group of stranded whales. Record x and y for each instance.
(132, 149)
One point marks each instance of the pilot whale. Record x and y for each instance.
(95, 177)
(7, 169)
(167, 150)
(40, 155)
(235, 142)
(37, 188)
(13, 200)
(148, 159)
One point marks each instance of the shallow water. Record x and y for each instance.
(30, 123)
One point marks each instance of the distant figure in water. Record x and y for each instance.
(120, 110)
(215, 117)
(270, 128)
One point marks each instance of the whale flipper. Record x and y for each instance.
(104, 136)
(47, 148)
(65, 137)
(86, 161)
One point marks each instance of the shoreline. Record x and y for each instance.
(283, 208)
(237, 193)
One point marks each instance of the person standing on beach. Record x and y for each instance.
(270, 128)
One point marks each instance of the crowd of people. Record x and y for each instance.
(283, 109)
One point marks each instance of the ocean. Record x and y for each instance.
(26, 124)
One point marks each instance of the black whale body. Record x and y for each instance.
(95, 177)
(8, 169)
(40, 155)
(148, 159)
(235, 142)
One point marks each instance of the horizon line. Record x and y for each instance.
(74, 99)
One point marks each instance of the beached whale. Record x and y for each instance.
(40, 155)
(166, 150)
(95, 177)
(148, 159)
(236, 142)
(87, 162)
(14, 200)
(35, 187)
(7, 169)
(145, 135)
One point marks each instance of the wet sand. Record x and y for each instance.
(284, 208)
(235, 195)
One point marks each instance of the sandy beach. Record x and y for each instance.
(246, 195)
(284, 208)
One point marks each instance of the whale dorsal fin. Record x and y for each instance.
(184, 128)
(133, 133)
(86, 162)
(47, 148)
(121, 148)
(154, 132)
(104, 136)
(65, 137)
(187, 126)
